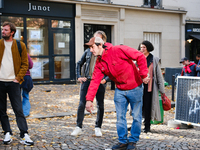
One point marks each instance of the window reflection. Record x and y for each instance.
(60, 24)
(40, 70)
(18, 22)
(61, 67)
(37, 36)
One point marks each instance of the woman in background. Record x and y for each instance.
(151, 106)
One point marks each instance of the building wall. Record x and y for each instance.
(191, 6)
(167, 24)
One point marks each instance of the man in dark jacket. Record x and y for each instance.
(89, 60)
(117, 63)
(189, 68)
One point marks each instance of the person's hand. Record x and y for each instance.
(103, 81)
(16, 81)
(89, 106)
(146, 80)
(82, 79)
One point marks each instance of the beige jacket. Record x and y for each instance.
(158, 85)
(20, 63)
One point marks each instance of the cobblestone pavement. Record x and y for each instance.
(53, 118)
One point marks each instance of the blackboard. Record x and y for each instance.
(187, 108)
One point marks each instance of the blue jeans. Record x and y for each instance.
(25, 103)
(122, 99)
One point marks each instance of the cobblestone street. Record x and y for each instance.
(53, 118)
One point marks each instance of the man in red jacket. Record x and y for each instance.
(117, 63)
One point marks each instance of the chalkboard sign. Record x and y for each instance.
(188, 100)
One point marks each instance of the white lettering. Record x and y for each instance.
(196, 29)
(38, 8)
(44, 8)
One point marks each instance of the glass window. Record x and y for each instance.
(60, 24)
(61, 43)
(152, 3)
(18, 21)
(61, 67)
(40, 70)
(37, 36)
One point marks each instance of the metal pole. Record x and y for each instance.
(173, 82)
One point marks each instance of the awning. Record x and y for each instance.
(195, 36)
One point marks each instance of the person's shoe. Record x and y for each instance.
(77, 131)
(26, 140)
(8, 138)
(146, 130)
(120, 146)
(98, 132)
(131, 146)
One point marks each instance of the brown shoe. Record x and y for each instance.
(120, 146)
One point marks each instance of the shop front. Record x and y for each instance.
(192, 37)
(47, 29)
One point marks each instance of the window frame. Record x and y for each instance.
(158, 4)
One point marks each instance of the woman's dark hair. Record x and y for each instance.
(148, 45)
(139, 47)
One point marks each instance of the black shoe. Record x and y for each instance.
(145, 130)
(131, 146)
(120, 146)
(129, 129)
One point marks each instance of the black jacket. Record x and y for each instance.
(85, 59)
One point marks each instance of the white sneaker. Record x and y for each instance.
(98, 132)
(26, 140)
(8, 138)
(77, 131)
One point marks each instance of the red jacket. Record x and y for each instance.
(117, 63)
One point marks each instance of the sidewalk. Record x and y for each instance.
(54, 132)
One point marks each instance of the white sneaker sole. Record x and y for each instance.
(28, 144)
(6, 143)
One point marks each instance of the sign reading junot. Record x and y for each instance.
(32, 7)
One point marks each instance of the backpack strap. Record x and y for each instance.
(19, 47)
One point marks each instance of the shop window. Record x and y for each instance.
(61, 43)
(152, 3)
(19, 23)
(154, 38)
(60, 24)
(37, 36)
(61, 67)
(40, 70)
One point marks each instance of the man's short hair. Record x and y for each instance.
(12, 26)
(104, 37)
(198, 55)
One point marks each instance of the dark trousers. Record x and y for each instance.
(100, 104)
(14, 93)
(146, 109)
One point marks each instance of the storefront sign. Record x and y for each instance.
(32, 7)
(196, 29)
(38, 8)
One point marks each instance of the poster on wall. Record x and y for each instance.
(36, 49)
(17, 34)
(35, 34)
(188, 100)
(37, 70)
